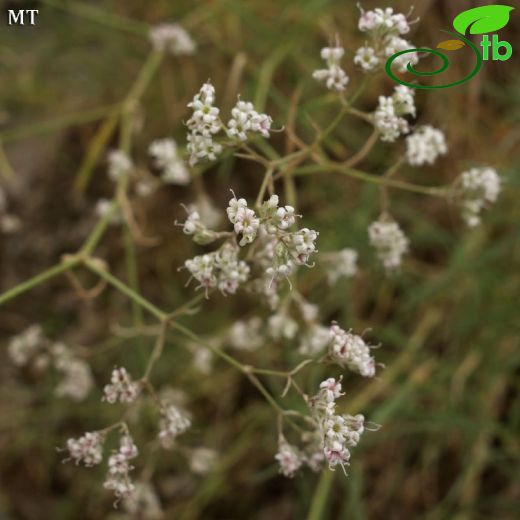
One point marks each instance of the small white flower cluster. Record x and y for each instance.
(194, 226)
(26, 345)
(221, 269)
(389, 242)
(289, 248)
(202, 460)
(425, 145)
(32, 349)
(340, 264)
(338, 433)
(366, 58)
(334, 77)
(478, 187)
(119, 165)
(277, 250)
(282, 326)
(166, 158)
(121, 388)
(77, 378)
(384, 27)
(289, 458)
(314, 340)
(172, 38)
(383, 21)
(244, 119)
(348, 349)
(388, 117)
(202, 359)
(244, 220)
(246, 334)
(87, 449)
(314, 337)
(205, 123)
(119, 467)
(143, 502)
(397, 44)
(174, 422)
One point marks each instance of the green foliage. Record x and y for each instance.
(448, 398)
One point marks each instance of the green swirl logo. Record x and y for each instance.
(480, 20)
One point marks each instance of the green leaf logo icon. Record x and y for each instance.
(482, 20)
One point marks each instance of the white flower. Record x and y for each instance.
(87, 449)
(143, 502)
(388, 117)
(425, 145)
(24, 346)
(335, 433)
(205, 118)
(244, 220)
(246, 335)
(404, 102)
(479, 187)
(282, 326)
(397, 44)
(331, 388)
(220, 269)
(261, 123)
(173, 423)
(172, 38)
(366, 58)
(314, 341)
(341, 264)
(389, 241)
(336, 429)
(203, 124)
(304, 245)
(234, 206)
(332, 54)
(119, 467)
(121, 387)
(166, 158)
(119, 165)
(202, 360)
(192, 223)
(389, 124)
(284, 217)
(202, 460)
(202, 147)
(351, 350)
(333, 76)
(121, 485)
(288, 457)
(244, 119)
(336, 453)
(246, 224)
(309, 311)
(77, 377)
(383, 22)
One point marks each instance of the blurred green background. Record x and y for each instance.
(449, 325)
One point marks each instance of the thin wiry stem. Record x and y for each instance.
(94, 266)
(39, 279)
